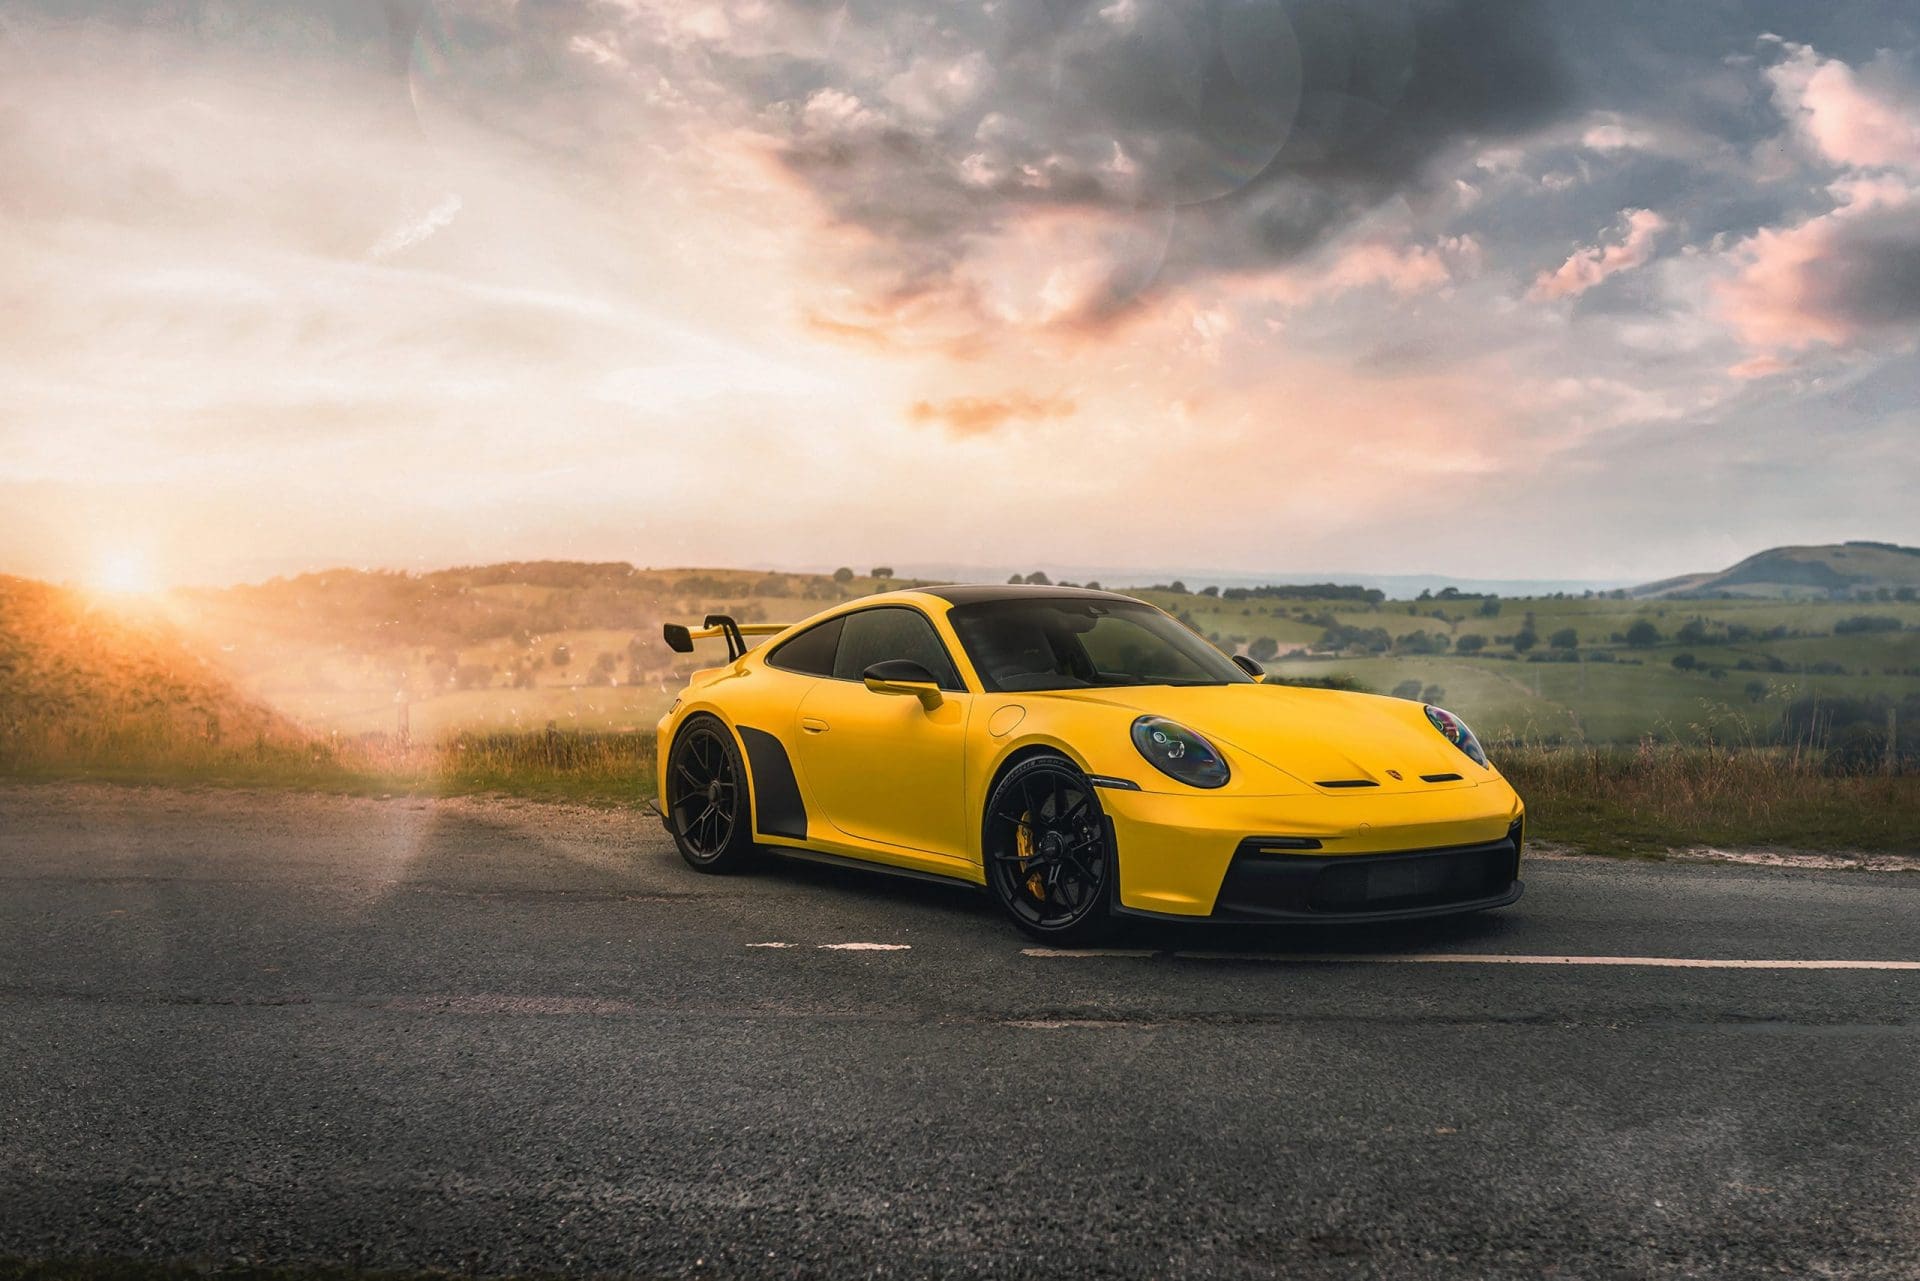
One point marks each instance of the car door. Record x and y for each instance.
(888, 768)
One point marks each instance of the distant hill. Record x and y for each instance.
(79, 680)
(1834, 571)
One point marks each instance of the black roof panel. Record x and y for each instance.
(974, 593)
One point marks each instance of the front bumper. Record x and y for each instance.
(1265, 885)
(1317, 858)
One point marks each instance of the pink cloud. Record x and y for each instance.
(1588, 266)
(1867, 119)
(965, 416)
(1815, 282)
(1756, 367)
(1403, 269)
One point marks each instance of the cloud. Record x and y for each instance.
(1862, 119)
(1272, 128)
(1614, 136)
(1838, 279)
(1847, 278)
(966, 416)
(1636, 234)
(413, 231)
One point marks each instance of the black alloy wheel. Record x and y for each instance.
(1049, 851)
(708, 810)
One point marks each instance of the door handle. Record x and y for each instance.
(813, 725)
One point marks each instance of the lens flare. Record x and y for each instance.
(123, 573)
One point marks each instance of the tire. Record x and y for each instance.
(1050, 861)
(709, 806)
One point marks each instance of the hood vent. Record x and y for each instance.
(1346, 782)
(1439, 778)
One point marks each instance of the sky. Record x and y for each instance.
(1503, 290)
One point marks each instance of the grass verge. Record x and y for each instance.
(1644, 801)
(554, 765)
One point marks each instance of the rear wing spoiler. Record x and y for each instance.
(680, 637)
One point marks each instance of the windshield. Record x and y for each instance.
(1079, 644)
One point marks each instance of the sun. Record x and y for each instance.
(124, 573)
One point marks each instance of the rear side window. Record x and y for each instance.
(892, 631)
(811, 652)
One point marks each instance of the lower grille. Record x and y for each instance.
(1264, 884)
(1422, 880)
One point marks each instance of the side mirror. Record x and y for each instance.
(904, 676)
(1248, 666)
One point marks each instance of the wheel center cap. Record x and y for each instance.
(713, 790)
(1052, 843)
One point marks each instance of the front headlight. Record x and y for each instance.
(1178, 752)
(1455, 731)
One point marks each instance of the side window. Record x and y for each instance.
(811, 652)
(891, 631)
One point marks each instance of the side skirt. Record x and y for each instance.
(863, 865)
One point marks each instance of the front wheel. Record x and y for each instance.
(1049, 852)
(708, 810)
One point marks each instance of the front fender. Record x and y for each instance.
(1098, 740)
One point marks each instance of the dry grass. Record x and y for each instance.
(564, 765)
(1658, 797)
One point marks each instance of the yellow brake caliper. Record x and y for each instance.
(1023, 846)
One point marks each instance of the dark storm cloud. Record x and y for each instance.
(1271, 123)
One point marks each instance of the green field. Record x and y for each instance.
(1752, 659)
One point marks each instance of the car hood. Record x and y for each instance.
(1317, 736)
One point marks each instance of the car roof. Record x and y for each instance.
(976, 593)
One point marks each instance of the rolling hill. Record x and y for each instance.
(79, 680)
(1833, 571)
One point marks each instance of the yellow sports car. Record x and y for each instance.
(1084, 756)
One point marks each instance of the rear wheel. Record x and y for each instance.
(708, 810)
(1049, 852)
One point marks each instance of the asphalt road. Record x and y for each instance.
(497, 1037)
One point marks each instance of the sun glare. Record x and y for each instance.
(124, 574)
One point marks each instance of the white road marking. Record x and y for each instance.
(1484, 958)
(845, 947)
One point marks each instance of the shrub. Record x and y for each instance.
(1866, 623)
